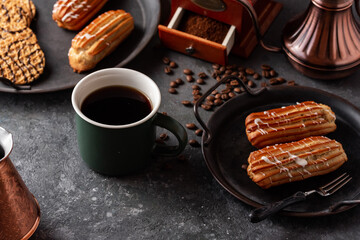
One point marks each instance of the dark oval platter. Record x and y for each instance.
(229, 149)
(55, 42)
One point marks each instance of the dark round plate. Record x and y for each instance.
(229, 149)
(56, 42)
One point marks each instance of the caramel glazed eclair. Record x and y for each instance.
(295, 161)
(74, 14)
(289, 123)
(99, 39)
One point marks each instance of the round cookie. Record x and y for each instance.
(21, 58)
(16, 14)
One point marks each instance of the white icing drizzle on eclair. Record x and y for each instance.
(74, 5)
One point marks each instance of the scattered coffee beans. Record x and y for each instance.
(179, 81)
(191, 126)
(194, 143)
(173, 64)
(198, 132)
(172, 90)
(164, 136)
(167, 70)
(189, 78)
(166, 60)
(173, 84)
(187, 71)
(186, 103)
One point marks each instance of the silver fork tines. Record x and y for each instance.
(334, 185)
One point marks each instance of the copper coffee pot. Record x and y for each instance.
(19, 210)
(323, 42)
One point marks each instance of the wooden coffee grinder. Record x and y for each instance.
(240, 38)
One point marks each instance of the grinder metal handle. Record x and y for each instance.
(250, 9)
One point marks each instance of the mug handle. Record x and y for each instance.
(175, 128)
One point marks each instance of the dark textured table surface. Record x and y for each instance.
(172, 199)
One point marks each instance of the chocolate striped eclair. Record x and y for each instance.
(295, 161)
(289, 123)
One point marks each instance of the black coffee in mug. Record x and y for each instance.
(116, 105)
(2, 152)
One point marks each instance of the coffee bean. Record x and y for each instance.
(222, 69)
(225, 91)
(195, 87)
(251, 84)
(210, 103)
(172, 90)
(237, 90)
(245, 80)
(273, 81)
(224, 96)
(188, 72)
(280, 80)
(256, 76)
(194, 143)
(198, 132)
(218, 78)
(167, 70)
(173, 65)
(210, 98)
(263, 84)
(214, 75)
(195, 92)
(214, 92)
(265, 67)
(218, 102)
(202, 75)
(173, 84)
(166, 60)
(189, 78)
(218, 96)
(179, 81)
(273, 73)
(265, 74)
(249, 71)
(216, 66)
(206, 107)
(186, 103)
(164, 113)
(200, 81)
(291, 83)
(164, 136)
(234, 73)
(234, 83)
(191, 126)
(231, 94)
(196, 97)
(228, 71)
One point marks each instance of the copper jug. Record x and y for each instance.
(323, 42)
(19, 210)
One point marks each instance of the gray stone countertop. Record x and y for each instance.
(171, 199)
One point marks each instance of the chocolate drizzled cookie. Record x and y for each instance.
(21, 58)
(16, 14)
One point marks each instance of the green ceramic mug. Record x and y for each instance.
(122, 149)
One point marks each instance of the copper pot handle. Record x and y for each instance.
(250, 9)
(207, 131)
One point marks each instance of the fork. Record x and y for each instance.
(263, 212)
